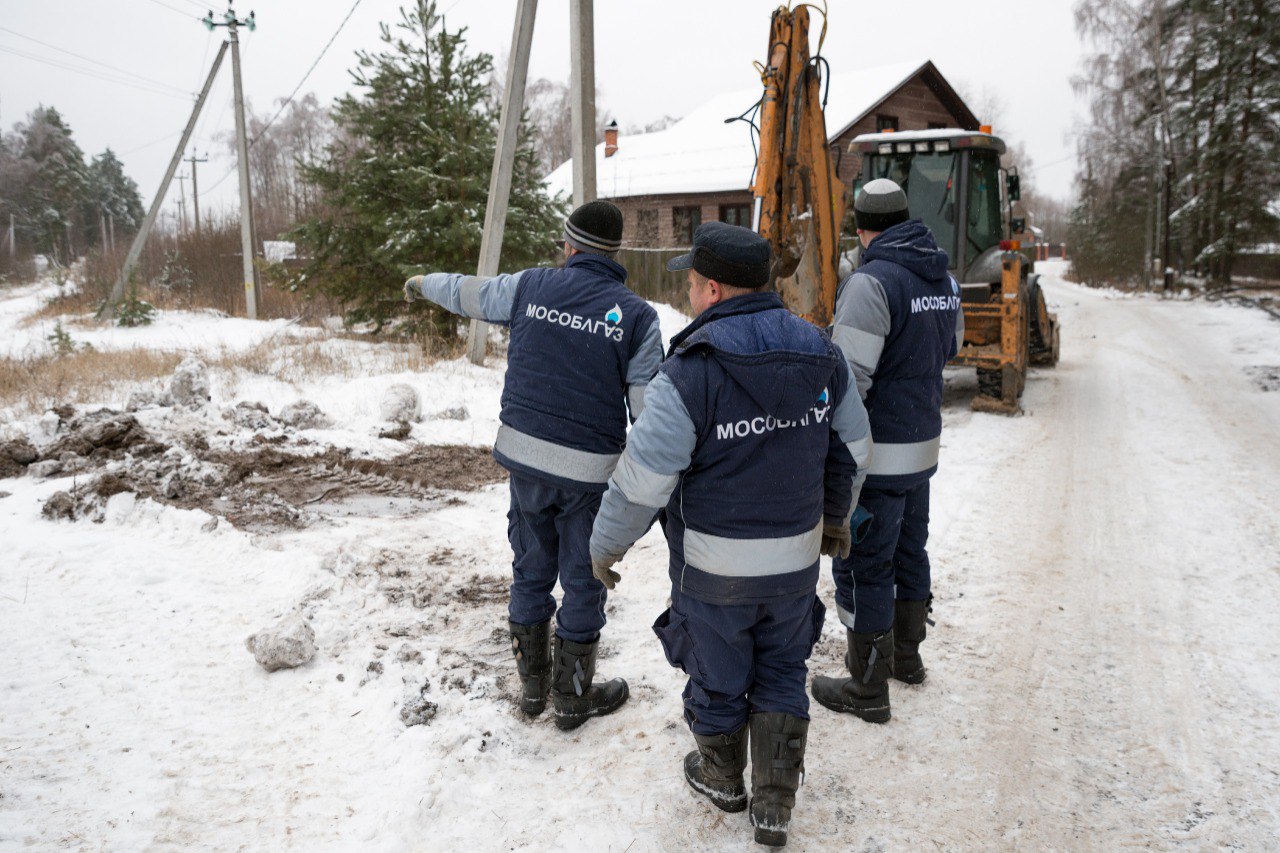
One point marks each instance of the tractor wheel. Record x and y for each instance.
(989, 382)
(1043, 328)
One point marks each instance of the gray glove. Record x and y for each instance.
(600, 567)
(836, 540)
(411, 291)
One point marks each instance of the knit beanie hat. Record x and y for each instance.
(880, 205)
(595, 227)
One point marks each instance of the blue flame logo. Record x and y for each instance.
(615, 314)
(822, 398)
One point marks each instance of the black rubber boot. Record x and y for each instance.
(715, 768)
(531, 645)
(909, 620)
(866, 694)
(777, 766)
(573, 696)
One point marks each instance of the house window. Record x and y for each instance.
(684, 221)
(646, 227)
(884, 122)
(736, 214)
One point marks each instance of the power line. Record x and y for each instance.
(149, 144)
(292, 94)
(172, 8)
(94, 61)
(97, 75)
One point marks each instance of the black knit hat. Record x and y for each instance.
(595, 227)
(880, 205)
(729, 254)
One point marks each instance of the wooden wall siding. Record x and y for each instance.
(916, 107)
(661, 208)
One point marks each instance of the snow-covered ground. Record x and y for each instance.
(1104, 672)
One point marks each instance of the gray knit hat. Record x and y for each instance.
(596, 228)
(880, 205)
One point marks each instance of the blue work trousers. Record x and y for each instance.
(741, 659)
(550, 528)
(890, 562)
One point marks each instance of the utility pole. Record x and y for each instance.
(195, 187)
(504, 157)
(233, 24)
(111, 229)
(582, 93)
(182, 205)
(107, 311)
(13, 250)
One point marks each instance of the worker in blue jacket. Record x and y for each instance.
(750, 448)
(898, 321)
(583, 348)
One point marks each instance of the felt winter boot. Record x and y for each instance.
(573, 696)
(777, 766)
(715, 768)
(866, 694)
(531, 645)
(909, 620)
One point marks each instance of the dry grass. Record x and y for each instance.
(29, 385)
(34, 384)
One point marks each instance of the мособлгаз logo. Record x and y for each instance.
(615, 314)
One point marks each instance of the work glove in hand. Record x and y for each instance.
(600, 567)
(836, 540)
(411, 291)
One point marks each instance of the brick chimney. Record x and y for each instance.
(611, 139)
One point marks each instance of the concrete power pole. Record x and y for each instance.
(195, 187)
(182, 204)
(107, 311)
(504, 157)
(242, 155)
(582, 83)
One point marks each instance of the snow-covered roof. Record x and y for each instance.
(700, 153)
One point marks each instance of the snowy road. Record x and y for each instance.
(1104, 672)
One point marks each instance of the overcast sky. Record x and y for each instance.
(653, 58)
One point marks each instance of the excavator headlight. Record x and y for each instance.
(922, 148)
(942, 145)
(886, 148)
(903, 147)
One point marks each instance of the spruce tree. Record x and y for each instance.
(110, 192)
(403, 186)
(59, 182)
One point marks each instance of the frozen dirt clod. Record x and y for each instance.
(47, 468)
(189, 385)
(457, 413)
(400, 404)
(251, 416)
(287, 644)
(418, 710)
(60, 505)
(304, 414)
(147, 398)
(15, 456)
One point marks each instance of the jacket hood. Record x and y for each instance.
(784, 365)
(910, 244)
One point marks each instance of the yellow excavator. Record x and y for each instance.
(954, 183)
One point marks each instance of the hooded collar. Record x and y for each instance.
(597, 264)
(748, 303)
(909, 244)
